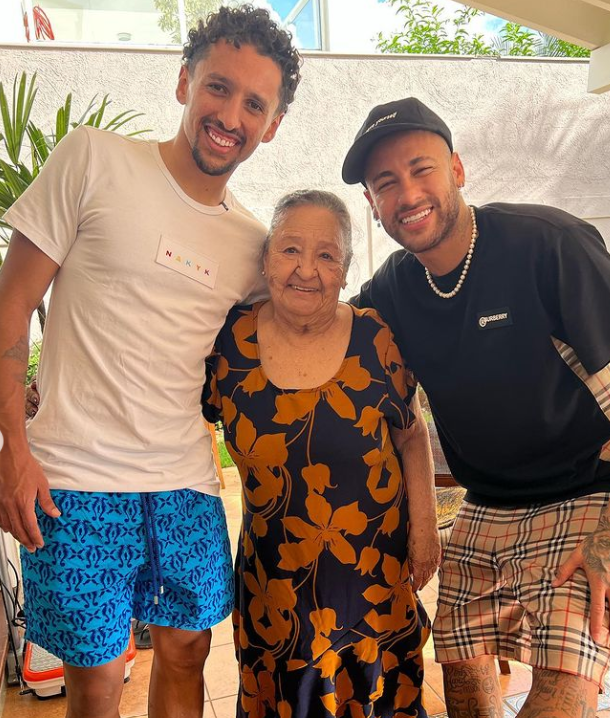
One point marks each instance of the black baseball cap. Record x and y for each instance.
(397, 116)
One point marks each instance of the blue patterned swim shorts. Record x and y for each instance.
(95, 570)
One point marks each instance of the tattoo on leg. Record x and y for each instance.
(472, 708)
(472, 690)
(466, 678)
(20, 352)
(559, 694)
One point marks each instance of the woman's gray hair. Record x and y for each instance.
(315, 198)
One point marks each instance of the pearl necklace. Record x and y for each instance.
(458, 286)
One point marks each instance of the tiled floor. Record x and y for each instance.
(221, 670)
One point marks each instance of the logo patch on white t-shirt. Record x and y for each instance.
(182, 259)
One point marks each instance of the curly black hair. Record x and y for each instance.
(250, 26)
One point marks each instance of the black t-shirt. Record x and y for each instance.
(516, 423)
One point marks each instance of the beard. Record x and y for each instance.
(209, 167)
(446, 212)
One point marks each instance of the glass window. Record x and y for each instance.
(106, 21)
(12, 27)
(139, 22)
(303, 18)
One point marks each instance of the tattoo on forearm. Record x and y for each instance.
(19, 352)
(596, 549)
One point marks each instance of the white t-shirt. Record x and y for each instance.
(147, 276)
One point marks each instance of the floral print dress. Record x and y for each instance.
(326, 622)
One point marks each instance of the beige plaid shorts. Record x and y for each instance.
(495, 595)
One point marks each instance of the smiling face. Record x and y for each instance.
(413, 184)
(305, 263)
(231, 100)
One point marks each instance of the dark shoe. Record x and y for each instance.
(141, 634)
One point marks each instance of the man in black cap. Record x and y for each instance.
(501, 313)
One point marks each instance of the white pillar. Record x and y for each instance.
(599, 70)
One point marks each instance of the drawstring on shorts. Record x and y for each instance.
(152, 543)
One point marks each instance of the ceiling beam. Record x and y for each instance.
(603, 4)
(583, 22)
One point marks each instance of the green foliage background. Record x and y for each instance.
(225, 457)
(429, 29)
(194, 11)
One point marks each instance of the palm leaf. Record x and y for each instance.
(62, 120)
(82, 119)
(16, 118)
(95, 119)
(135, 133)
(40, 148)
(17, 180)
(122, 119)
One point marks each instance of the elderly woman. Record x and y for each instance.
(339, 526)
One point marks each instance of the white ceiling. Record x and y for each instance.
(584, 22)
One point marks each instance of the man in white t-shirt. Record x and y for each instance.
(115, 498)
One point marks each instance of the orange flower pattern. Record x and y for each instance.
(326, 622)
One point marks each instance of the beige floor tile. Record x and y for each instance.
(221, 674)
(429, 651)
(519, 680)
(17, 706)
(430, 607)
(433, 703)
(225, 707)
(433, 674)
(429, 593)
(222, 633)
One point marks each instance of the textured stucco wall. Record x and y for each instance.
(526, 130)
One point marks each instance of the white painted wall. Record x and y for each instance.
(527, 130)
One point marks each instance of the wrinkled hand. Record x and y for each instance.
(424, 546)
(593, 557)
(22, 482)
(32, 400)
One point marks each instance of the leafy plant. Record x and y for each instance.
(33, 361)
(427, 29)
(193, 9)
(554, 47)
(225, 457)
(20, 136)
